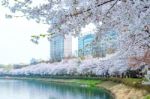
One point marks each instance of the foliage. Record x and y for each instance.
(147, 97)
(87, 82)
(129, 18)
(137, 61)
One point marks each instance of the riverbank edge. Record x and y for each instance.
(108, 84)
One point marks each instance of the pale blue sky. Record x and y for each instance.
(15, 44)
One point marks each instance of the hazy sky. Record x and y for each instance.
(15, 44)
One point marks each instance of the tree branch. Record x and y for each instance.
(89, 9)
(112, 7)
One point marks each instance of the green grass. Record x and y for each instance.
(92, 81)
(147, 97)
(87, 82)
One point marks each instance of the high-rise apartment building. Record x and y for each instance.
(57, 48)
(85, 46)
(62, 47)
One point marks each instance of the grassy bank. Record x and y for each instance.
(132, 82)
(122, 88)
(84, 82)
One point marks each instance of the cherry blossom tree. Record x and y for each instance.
(129, 18)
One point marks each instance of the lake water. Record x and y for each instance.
(24, 89)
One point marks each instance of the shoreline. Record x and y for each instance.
(117, 90)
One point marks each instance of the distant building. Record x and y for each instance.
(107, 45)
(68, 46)
(62, 47)
(85, 46)
(65, 47)
(34, 61)
(57, 48)
(20, 65)
(110, 42)
(88, 47)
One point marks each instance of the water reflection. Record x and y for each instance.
(17, 89)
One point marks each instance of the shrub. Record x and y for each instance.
(147, 97)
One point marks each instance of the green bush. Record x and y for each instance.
(147, 97)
